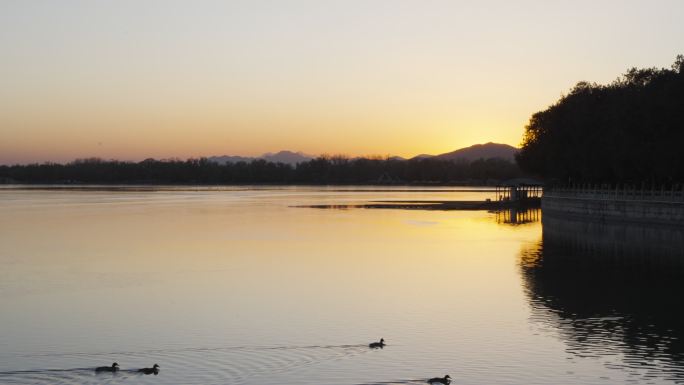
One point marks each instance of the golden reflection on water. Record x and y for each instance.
(160, 274)
(169, 249)
(530, 255)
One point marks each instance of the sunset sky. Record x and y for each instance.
(135, 79)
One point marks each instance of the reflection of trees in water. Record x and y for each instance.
(611, 296)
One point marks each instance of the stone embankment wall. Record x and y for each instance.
(660, 207)
(615, 241)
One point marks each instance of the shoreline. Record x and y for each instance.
(191, 187)
(435, 205)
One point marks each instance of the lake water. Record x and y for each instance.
(240, 286)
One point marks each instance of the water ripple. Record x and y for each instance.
(206, 365)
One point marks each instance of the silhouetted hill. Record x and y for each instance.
(475, 152)
(229, 159)
(481, 151)
(287, 157)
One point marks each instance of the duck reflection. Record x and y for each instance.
(612, 291)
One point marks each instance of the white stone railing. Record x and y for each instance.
(673, 194)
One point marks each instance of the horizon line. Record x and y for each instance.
(251, 157)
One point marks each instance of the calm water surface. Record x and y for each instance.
(237, 286)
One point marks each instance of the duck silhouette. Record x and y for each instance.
(376, 345)
(153, 370)
(113, 368)
(439, 380)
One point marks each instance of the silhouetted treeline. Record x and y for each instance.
(631, 130)
(322, 170)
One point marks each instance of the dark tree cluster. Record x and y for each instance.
(629, 131)
(321, 170)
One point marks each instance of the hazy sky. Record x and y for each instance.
(135, 79)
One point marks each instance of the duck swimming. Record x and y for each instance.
(113, 368)
(376, 345)
(153, 370)
(439, 380)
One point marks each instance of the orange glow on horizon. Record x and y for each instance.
(243, 79)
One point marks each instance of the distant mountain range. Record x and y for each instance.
(478, 151)
(288, 157)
